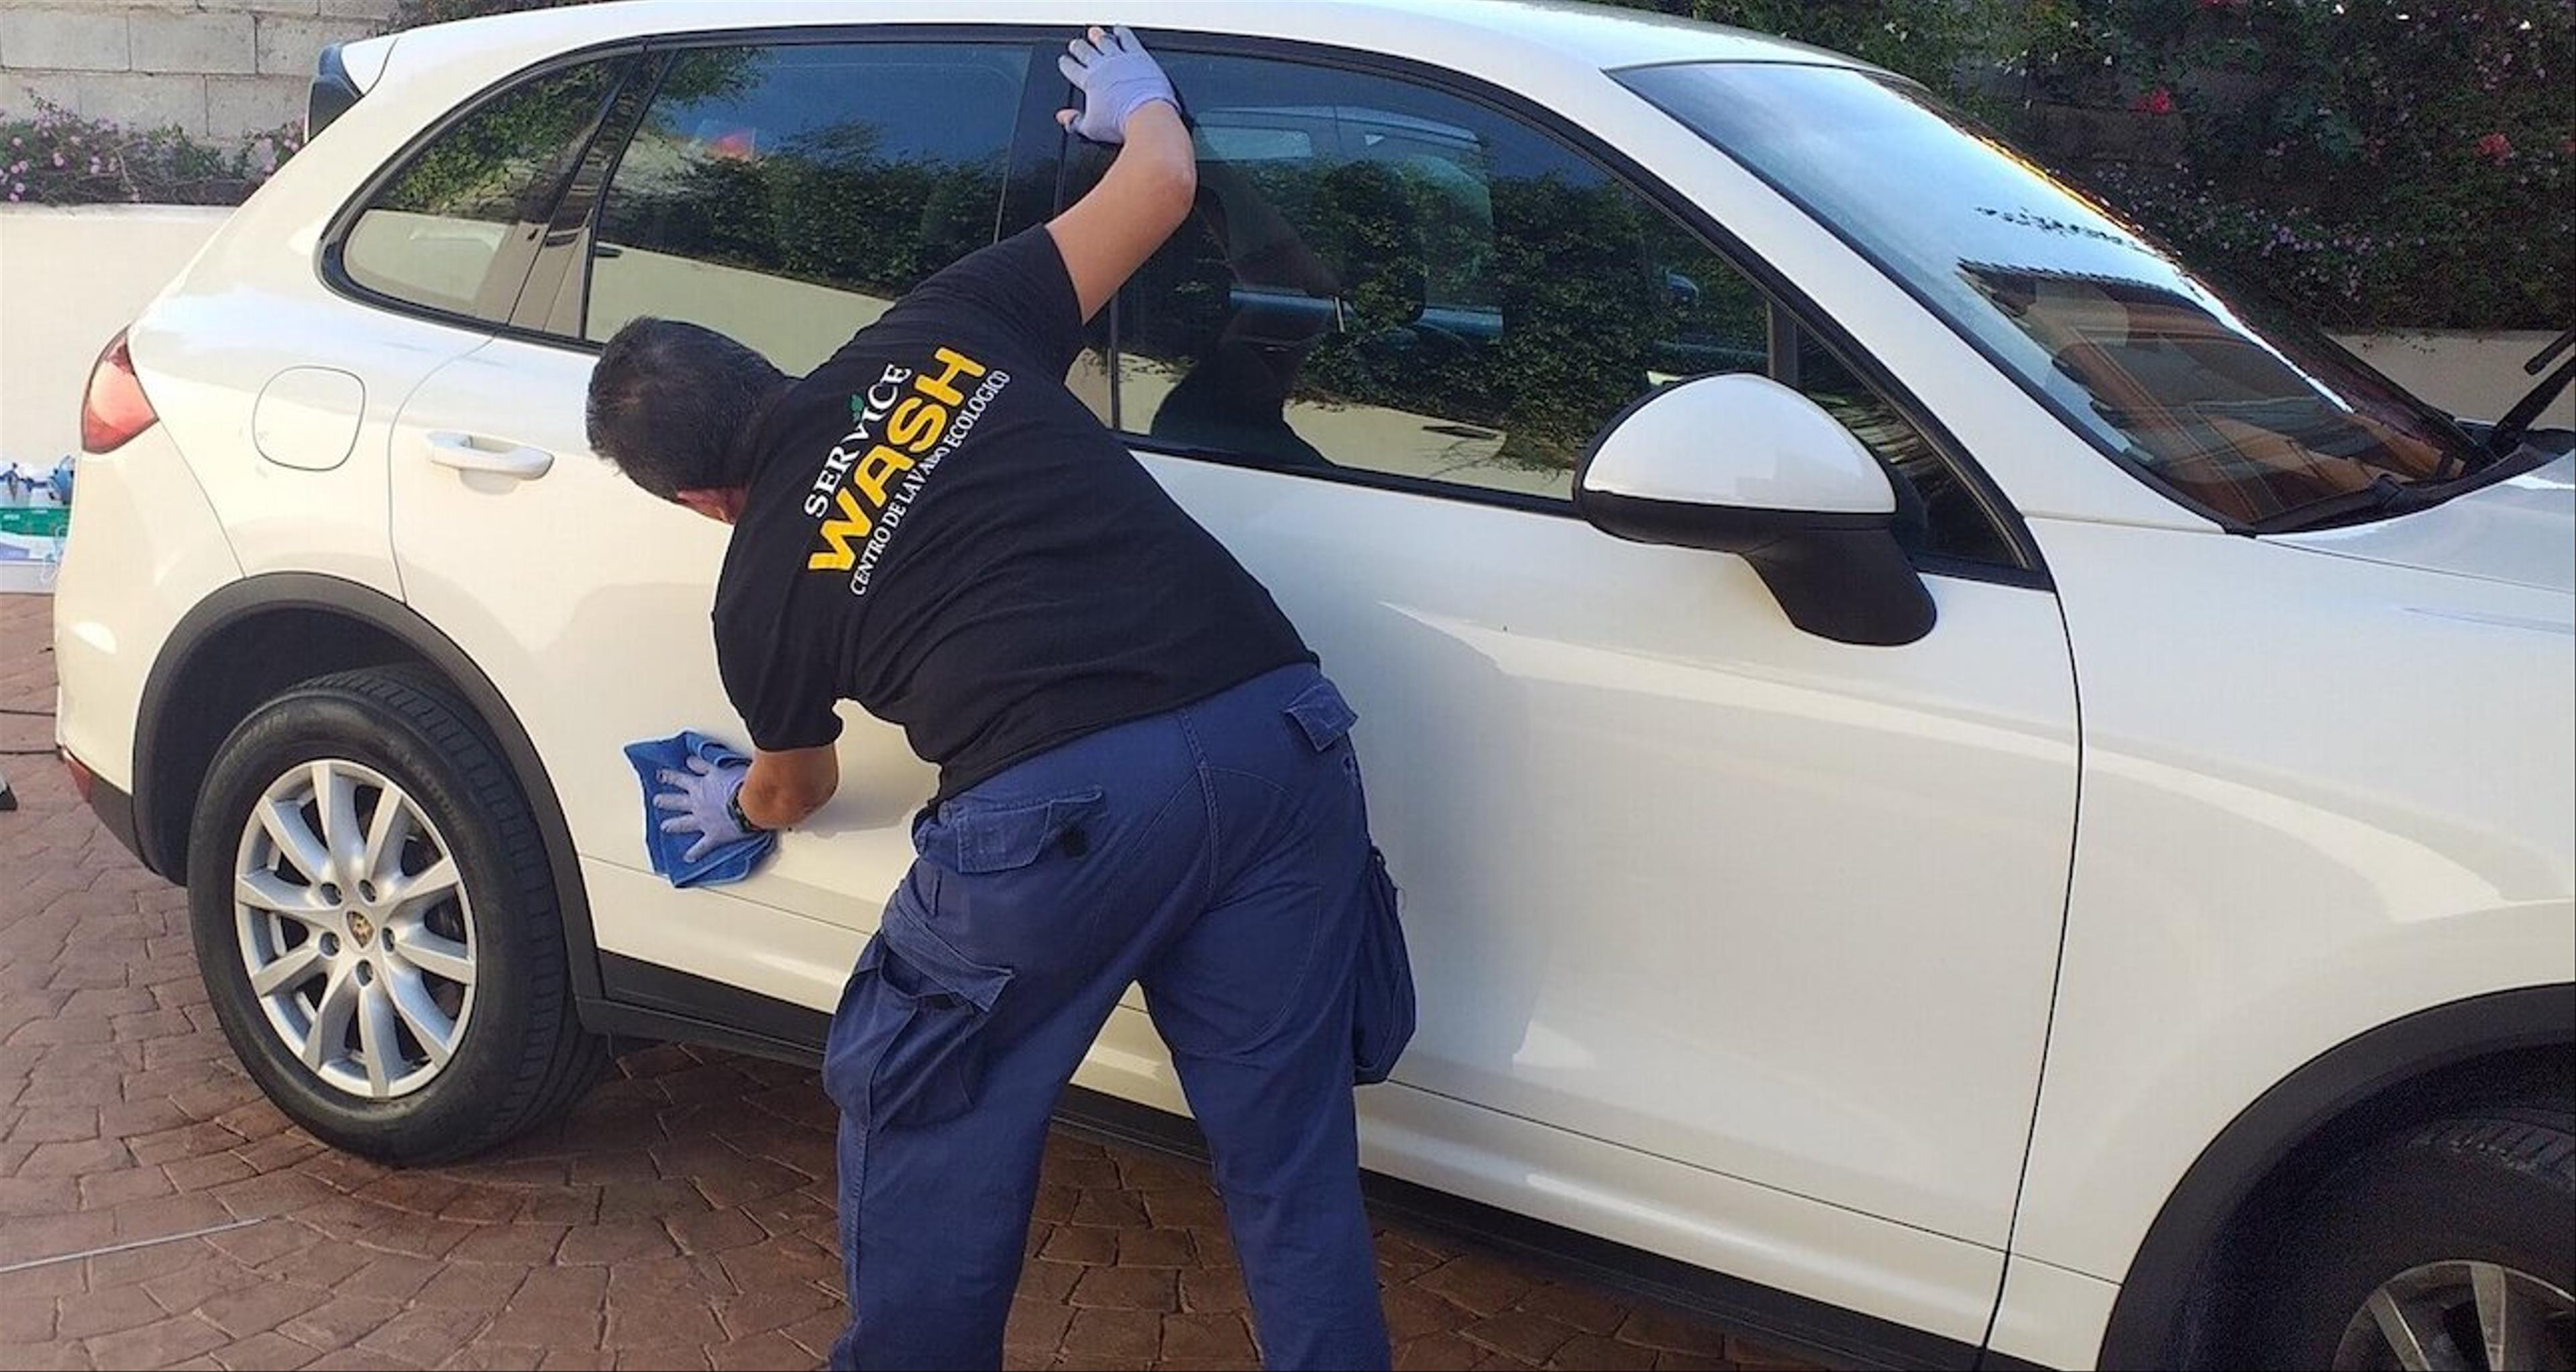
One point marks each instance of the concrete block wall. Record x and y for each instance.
(219, 69)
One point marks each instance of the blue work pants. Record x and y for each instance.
(1218, 855)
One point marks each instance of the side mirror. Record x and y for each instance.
(1742, 464)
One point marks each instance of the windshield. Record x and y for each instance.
(2247, 422)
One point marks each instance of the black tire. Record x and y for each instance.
(521, 1055)
(2494, 1186)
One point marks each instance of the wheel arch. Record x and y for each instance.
(2174, 1306)
(259, 635)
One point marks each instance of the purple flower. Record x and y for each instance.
(58, 159)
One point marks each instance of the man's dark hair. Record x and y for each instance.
(674, 405)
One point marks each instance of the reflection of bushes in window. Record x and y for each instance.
(824, 208)
(1533, 305)
(482, 168)
(1577, 311)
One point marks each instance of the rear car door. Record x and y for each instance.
(784, 193)
(1732, 942)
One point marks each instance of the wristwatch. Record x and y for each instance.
(733, 811)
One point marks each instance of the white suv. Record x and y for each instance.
(1960, 794)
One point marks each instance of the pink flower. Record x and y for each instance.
(2157, 101)
(2495, 145)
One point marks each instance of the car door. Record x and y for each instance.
(784, 193)
(1732, 942)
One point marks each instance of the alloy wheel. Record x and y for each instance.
(2462, 1315)
(355, 928)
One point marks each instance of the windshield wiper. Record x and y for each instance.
(2508, 431)
(2385, 495)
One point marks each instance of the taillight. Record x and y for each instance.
(114, 409)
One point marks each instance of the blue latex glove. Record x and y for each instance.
(702, 798)
(1116, 78)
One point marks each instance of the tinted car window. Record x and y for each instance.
(441, 233)
(787, 195)
(2245, 413)
(1390, 278)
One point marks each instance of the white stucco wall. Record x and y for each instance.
(219, 69)
(69, 279)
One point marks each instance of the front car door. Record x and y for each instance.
(1733, 943)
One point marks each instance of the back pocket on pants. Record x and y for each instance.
(1382, 991)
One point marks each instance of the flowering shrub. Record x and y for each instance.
(2374, 162)
(59, 158)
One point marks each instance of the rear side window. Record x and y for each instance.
(786, 196)
(453, 231)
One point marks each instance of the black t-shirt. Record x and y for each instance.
(938, 530)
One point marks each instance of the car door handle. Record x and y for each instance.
(474, 453)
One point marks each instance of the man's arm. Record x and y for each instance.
(782, 789)
(1106, 235)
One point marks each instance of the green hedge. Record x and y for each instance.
(58, 158)
(2378, 163)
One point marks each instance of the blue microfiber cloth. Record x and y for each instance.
(728, 862)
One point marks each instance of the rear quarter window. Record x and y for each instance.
(446, 232)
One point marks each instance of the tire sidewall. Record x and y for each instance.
(2398, 1208)
(321, 721)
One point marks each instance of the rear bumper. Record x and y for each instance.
(145, 546)
(115, 810)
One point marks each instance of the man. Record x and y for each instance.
(1143, 776)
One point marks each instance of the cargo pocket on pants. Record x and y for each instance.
(907, 1042)
(1382, 987)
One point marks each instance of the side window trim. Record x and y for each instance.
(1791, 311)
(563, 256)
(524, 240)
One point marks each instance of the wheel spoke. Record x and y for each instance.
(292, 968)
(440, 957)
(335, 800)
(420, 1014)
(390, 829)
(2404, 1338)
(377, 1039)
(430, 884)
(2513, 1324)
(296, 839)
(330, 1029)
(266, 891)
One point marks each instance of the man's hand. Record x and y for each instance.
(1106, 235)
(1116, 77)
(703, 801)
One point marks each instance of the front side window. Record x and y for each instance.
(787, 195)
(1389, 278)
(447, 231)
(2257, 420)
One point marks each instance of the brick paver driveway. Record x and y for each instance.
(156, 1211)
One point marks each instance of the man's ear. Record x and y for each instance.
(723, 504)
